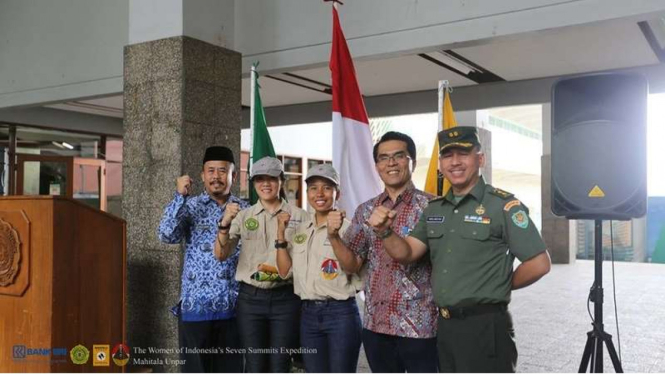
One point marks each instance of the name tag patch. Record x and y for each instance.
(477, 219)
(435, 219)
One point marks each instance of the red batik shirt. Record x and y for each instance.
(398, 297)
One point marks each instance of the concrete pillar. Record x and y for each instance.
(640, 239)
(556, 231)
(181, 95)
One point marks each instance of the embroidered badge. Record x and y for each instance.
(300, 238)
(511, 205)
(251, 224)
(477, 219)
(520, 219)
(474, 219)
(435, 219)
(329, 269)
(480, 210)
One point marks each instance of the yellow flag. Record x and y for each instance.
(447, 121)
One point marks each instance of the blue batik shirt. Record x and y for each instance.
(209, 290)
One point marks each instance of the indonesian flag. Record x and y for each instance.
(352, 139)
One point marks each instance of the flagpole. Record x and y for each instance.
(252, 93)
(443, 86)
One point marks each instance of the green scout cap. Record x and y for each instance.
(267, 166)
(465, 137)
(324, 171)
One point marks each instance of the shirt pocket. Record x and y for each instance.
(435, 231)
(251, 235)
(475, 231)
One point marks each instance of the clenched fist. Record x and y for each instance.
(335, 221)
(230, 213)
(283, 219)
(184, 185)
(381, 218)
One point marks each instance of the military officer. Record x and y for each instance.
(472, 235)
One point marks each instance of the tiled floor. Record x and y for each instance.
(551, 318)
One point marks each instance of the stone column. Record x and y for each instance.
(181, 95)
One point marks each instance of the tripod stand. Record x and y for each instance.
(593, 351)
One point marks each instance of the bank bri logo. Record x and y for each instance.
(19, 351)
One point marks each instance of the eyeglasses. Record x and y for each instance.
(397, 157)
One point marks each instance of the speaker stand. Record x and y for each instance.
(596, 338)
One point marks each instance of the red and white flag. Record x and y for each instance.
(352, 139)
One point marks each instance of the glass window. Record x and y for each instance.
(294, 179)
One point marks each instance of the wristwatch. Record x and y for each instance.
(384, 234)
(221, 227)
(281, 245)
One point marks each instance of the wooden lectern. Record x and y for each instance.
(62, 284)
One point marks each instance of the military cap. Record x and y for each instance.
(465, 137)
(267, 166)
(324, 171)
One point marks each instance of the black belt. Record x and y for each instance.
(327, 302)
(249, 289)
(462, 312)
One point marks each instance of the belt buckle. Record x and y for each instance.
(445, 313)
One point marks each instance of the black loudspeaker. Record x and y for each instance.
(599, 146)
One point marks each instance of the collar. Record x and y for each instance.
(282, 206)
(478, 191)
(312, 222)
(405, 196)
(206, 199)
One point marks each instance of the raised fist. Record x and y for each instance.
(381, 218)
(283, 219)
(230, 213)
(335, 221)
(184, 185)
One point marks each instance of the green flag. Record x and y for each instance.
(261, 144)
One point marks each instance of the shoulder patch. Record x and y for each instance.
(500, 193)
(511, 204)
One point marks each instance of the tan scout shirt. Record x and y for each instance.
(258, 231)
(317, 275)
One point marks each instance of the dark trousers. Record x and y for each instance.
(330, 334)
(396, 354)
(480, 343)
(218, 334)
(269, 323)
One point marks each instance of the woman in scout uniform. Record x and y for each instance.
(330, 327)
(268, 311)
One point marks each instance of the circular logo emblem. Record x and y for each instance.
(10, 253)
(300, 238)
(79, 355)
(251, 224)
(480, 210)
(120, 354)
(329, 269)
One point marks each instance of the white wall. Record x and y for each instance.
(54, 51)
(57, 50)
(283, 34)
(209, 20)
(154, 20)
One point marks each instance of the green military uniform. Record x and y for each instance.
(473, 241)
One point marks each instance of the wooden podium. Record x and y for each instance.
(62, 284)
